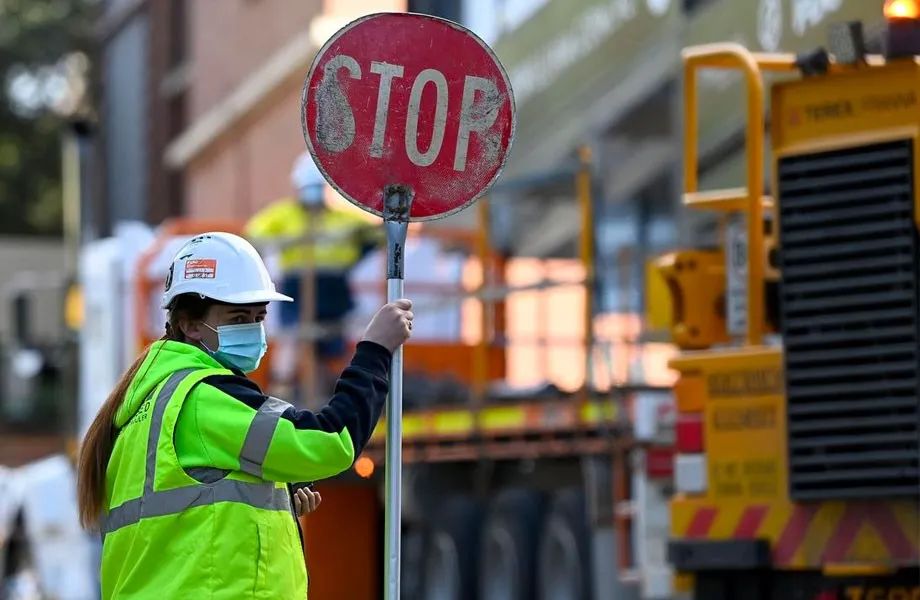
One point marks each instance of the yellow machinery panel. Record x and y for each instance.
(837, 537)
(696, 280)
(846, 108)
(658, 303)
(747, 498)
(793, 432)
(845, 162)
(745, 422)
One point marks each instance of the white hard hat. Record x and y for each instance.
(305, 173)
(223, 267)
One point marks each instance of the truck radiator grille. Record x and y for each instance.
(849, 313)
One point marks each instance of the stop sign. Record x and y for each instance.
(411, 100)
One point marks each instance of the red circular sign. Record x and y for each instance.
(408, 99)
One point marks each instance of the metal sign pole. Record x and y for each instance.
(398, 200)
(384, 173)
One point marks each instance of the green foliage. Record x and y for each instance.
(44, 66)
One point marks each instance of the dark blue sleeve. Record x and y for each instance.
(356, 403)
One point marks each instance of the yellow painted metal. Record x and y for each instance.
(741, 389)
(801, 543)
(73, 307)
(845, 109)
(742, 439)
(453, 422)
(728, 200)
(849, 109)
(683, 583)
(724, 56)
(593, 413)
(587, 255)
(733, 358)
(503, 418)
(414, 426)
(690, 393)
(847, 140)
(729, 55)
(708, 56)
(745, 422)
(857, 569)
(659, 306)
(696, 282)
(745, 433)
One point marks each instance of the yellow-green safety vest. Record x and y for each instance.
(339, 236)
(205, 533)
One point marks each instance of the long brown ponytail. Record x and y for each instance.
(97, 448)
(100, 437)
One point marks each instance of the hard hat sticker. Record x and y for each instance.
(201, 268)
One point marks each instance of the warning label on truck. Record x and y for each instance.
(744, 442)
(745, 418)
(753, 382)
(750, 478)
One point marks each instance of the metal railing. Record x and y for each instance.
(749, 200)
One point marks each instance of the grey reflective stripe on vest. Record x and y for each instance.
(260, 435)
(171, 502)
(156, 424)
(207, 474)
(157, 504)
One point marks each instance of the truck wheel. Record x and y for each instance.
(509, 546)
(453, 540)
(564, 571)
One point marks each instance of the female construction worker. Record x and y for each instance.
(186, 468)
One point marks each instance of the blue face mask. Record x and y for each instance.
(239, 346)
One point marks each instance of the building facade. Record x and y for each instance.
(246, 69)
(202, 114)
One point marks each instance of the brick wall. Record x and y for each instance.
(17, 450)
(252, 166)
(230, 39)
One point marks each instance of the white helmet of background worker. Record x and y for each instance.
(223, 267)
(307, 179)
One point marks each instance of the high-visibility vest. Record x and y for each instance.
(338, 235)
(168, 535)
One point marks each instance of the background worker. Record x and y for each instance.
(187, 466)
(317, 245)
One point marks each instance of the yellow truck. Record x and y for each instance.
(797, 472)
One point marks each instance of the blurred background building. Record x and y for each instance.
(199, 111)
